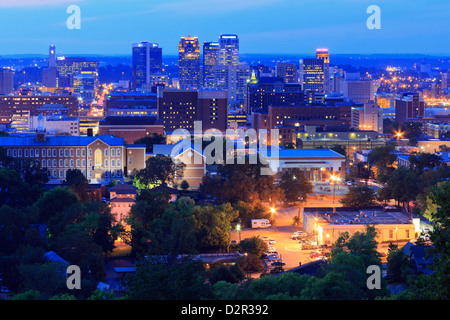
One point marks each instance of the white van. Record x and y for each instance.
(260, 223)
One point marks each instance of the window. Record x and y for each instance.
(113, 154)
(78, 163)
(61, 163)
(15, 152)
(19, 153)
(90, 162)
(25, 153)
(49, 163)
(90, 153)
(36, 153)
(83, 163)
(407, 233)
(118, 163)
(113, 163)
(8, 152)
(44, 163)
(130, 160)
(61, 173)
(106, 161)
(106, 152)
(54, 152)
(54, 163)
(66, 152)
(118, 152)
(391, 234)
(71, 152)
(78, 152)
(72, 163)
(119, 173)
(61, 152)
(112, 173)
(54, 174)
(98, 157)
(31, 152)
(106, 174)
(83, 152)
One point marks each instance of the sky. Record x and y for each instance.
(109, 27)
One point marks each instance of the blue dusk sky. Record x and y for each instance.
(263, 26)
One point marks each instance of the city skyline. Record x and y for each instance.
(262, 26)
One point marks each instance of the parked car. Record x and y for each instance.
(271, 241)
(265, 238)
(272, 257)
(278, 263)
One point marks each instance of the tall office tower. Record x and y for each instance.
(6, 81)
(189, 62)
(229, 73)
(409, 106)
(147, 61)
(311, 74)
(325, 56)
(228, 49)
(69, 67)
(50, 74)
(287, 71)
(210, 59)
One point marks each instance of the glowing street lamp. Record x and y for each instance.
(334, 178)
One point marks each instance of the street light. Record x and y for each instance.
(272, 214)
(334, 178)
(238, 229)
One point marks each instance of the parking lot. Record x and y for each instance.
(287, 248)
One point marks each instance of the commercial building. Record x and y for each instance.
(55, 124)
(122, 197)
(6, 81)
(130, 128)
(146, 61)
(179, 109)
(323, 54)
(327, 224)
(131, 104)
(288, 72)
(69, 67)
(47, 104)
(367, 118)
(312, 74)
(189, 63)
(210, 60)
(409, 106)
(358, 90)
(50, 74)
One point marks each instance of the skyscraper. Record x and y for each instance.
(189, 62)
(147, 61)
(69, 67)
(287, 71)
(325, 56)
(6, 81)
(311, 74)
(210, 59)
(229, 73)
(50, 74)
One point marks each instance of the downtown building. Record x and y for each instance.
(6, 81)
(409, 107)
(312, 74)
(288, 72)
(50, 74)
(229, 73)
(210, 60)
(146, 63)
(189, 75)
(179, 109)
(69, 67)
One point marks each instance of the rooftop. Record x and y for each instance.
(30, 140)
(372, 216)
(123, 188)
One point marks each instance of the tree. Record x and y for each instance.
(254, 246)
(295, 186)
(53, 202)
(399, 267)
(184, 185)
(359, 196)
(404, 185)
(77, 181)
(160, 169)
(424, 160)
(383, 158)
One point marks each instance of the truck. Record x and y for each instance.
(260, 223)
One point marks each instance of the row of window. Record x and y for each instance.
(61, 174)
(48, 163)
(115, 152)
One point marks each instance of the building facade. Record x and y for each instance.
(189, 63)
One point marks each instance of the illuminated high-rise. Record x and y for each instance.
(50, 74)
(210, 59)
(311, 74)
(147, 61)
(325, 56)
(228, 49)
(189, 62)
(6, 81)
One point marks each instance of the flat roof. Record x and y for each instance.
(367, 216)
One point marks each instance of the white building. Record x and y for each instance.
(367, 118)
(55, 124)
